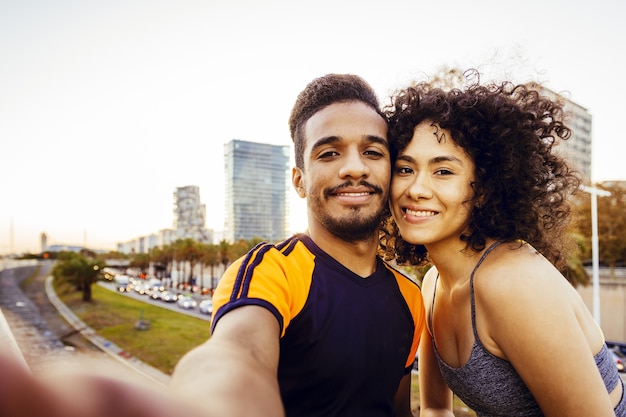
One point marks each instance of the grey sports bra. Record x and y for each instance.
(491, 387)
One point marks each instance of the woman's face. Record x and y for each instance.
(430, 188)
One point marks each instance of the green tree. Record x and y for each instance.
(141, 261)
(192, 253)
(242, 246)
(611, 224)
(224, 253)
(448, 78)
(163, 258)
(179, 256)
(575, 269)
(210, 258)
(79, 270)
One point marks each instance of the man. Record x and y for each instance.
(318, 324)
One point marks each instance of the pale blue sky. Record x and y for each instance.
(107, 106)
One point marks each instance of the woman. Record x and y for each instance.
(478, 192)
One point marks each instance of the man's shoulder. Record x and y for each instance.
(287, 254)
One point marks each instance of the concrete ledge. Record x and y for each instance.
(7, 340)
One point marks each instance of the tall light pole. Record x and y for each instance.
(595, 265)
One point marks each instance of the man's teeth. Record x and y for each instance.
(354, 194)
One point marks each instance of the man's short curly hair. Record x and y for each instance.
(320, 93)
(509, 132)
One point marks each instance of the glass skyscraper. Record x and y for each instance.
(256, 204)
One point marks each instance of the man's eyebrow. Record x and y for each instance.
(378, 140)
(326, 141)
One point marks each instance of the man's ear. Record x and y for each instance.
(297, 179)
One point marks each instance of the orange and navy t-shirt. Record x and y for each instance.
(346, 341)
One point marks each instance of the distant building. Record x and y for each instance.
(65, 248)
(577, 149)
(189, 223)
(190, 215)
(44, 242)
(166, 237)
(256, 203)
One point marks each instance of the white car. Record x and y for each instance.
(187, 302)
(169, 297)
(206, 307)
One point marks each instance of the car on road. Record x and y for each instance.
(142, 289)
(206, 306)
(155, 285)
(124, 288)
(169, 296)
(187, 302)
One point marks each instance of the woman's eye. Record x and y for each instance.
(404, 170)
(443, 172)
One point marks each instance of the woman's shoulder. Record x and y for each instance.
(518, 273)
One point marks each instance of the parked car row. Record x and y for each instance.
(155, 289)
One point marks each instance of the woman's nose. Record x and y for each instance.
(419, 188)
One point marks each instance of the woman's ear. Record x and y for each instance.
(297, 179)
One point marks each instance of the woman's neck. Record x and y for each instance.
(454, 264)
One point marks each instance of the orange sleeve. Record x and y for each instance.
(268, 278)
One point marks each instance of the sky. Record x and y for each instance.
(107, 106)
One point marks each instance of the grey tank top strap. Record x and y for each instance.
(432, 304)
(473, 303)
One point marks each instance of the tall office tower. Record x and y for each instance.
(190, 215)
(44, 242)
(256, 204)
(577, 149)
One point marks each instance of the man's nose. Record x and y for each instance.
(354, 166)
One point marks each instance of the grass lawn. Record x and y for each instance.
(171, 334)
(113, 316)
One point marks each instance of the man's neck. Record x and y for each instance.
(359, 256)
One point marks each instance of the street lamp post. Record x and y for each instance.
(595, 265)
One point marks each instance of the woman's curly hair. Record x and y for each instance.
(509, 132)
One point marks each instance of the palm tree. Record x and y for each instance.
(179, 257)
(79, 270)
(191, 253)
(141, 261)
(224, 253)
(210, 257)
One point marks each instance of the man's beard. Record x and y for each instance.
(352, 228)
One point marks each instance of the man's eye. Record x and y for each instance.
(328, 154)
(374, 153)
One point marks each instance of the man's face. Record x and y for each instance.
(346, 171)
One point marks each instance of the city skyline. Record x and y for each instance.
(108, 107)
